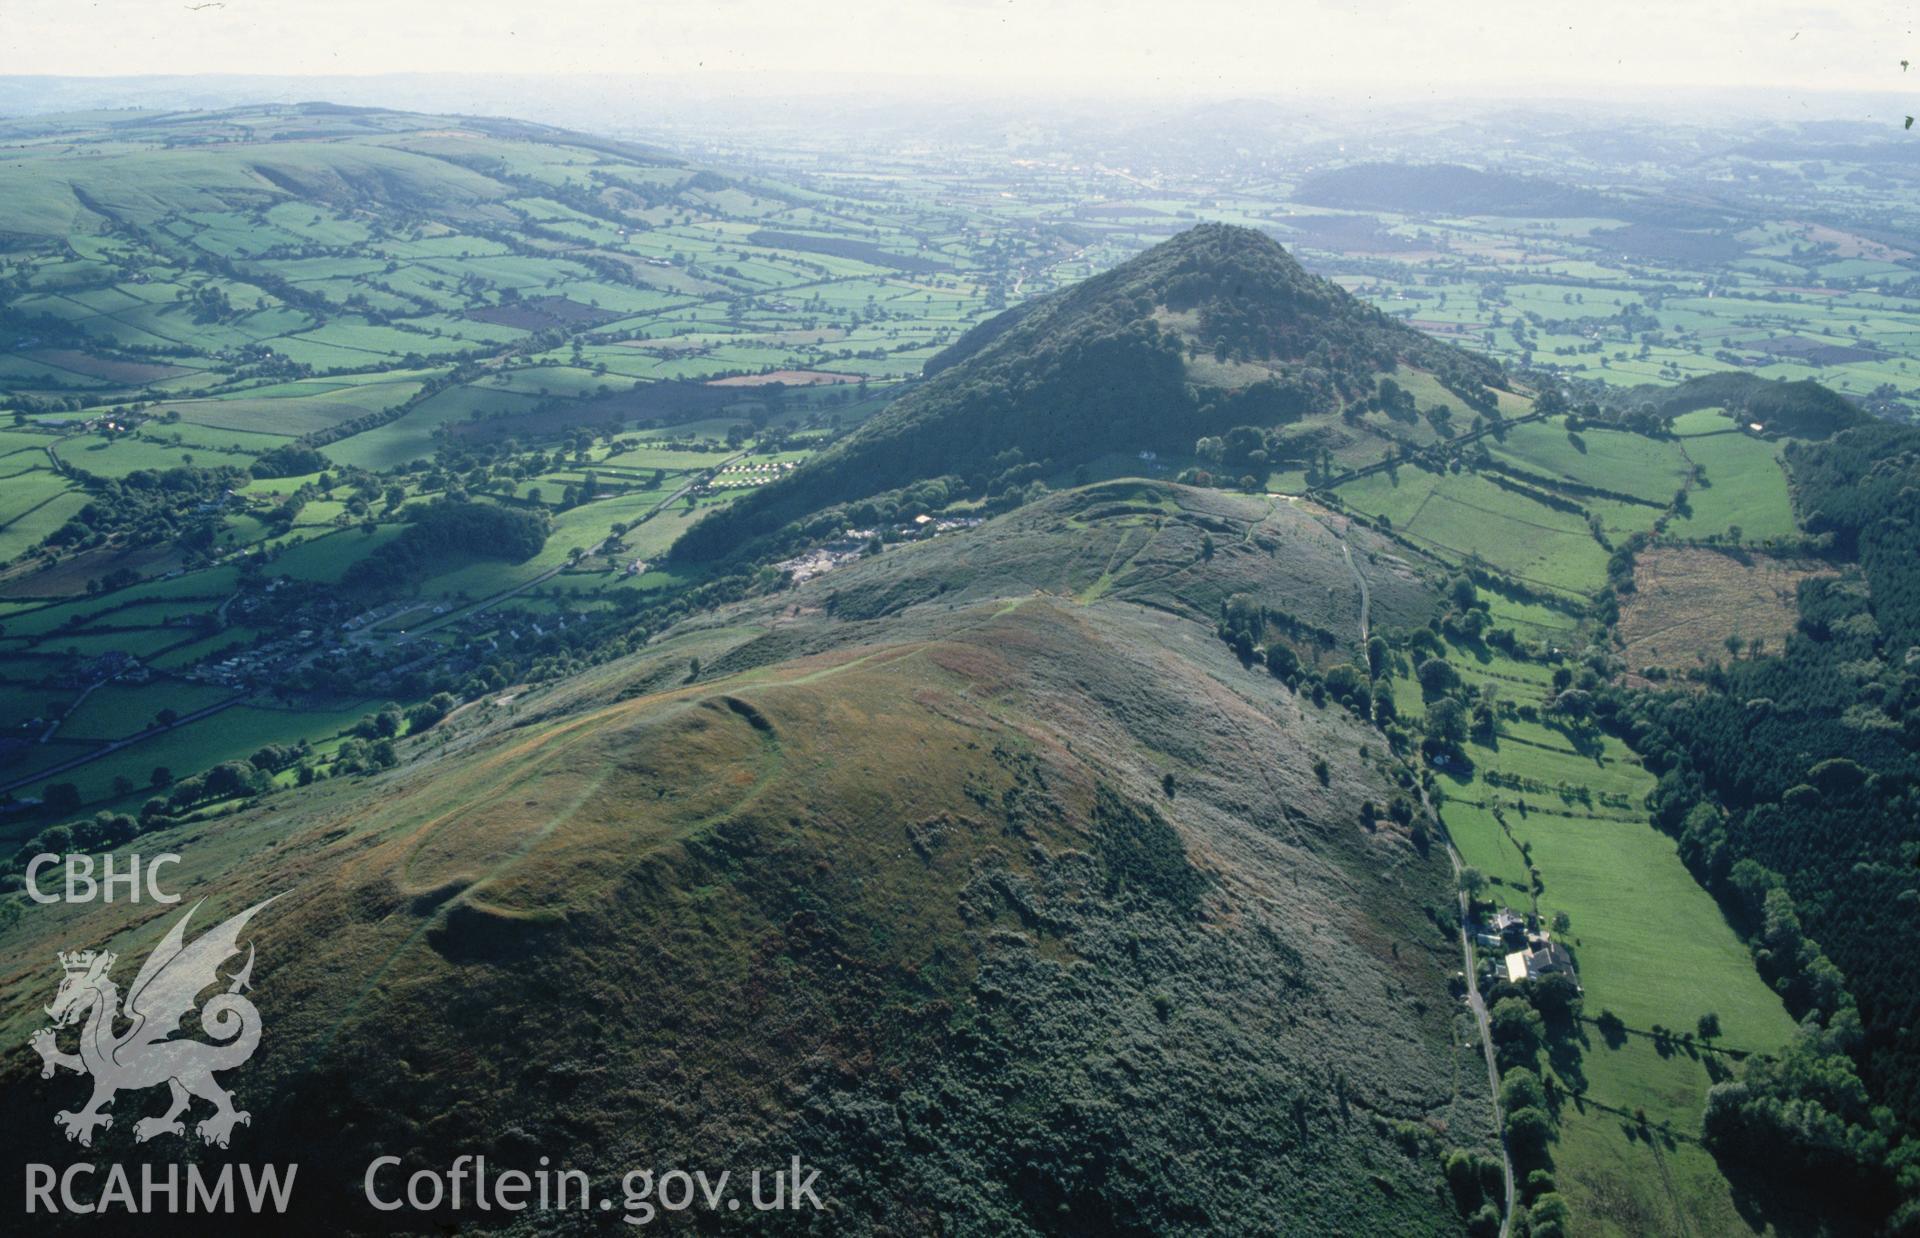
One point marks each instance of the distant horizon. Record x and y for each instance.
(559, 97)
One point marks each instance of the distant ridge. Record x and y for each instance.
(1455, 189)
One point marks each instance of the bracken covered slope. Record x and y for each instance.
(994, 886)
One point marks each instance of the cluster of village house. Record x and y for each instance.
(1527, 951)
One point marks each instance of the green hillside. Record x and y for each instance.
(1214, 329)
(1001, 902)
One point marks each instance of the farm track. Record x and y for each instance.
(1479, 1008)
(1474, 1001)
(1366, 594)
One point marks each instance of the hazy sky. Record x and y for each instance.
(1206, 47)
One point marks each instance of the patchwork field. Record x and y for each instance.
(1558, 827)
(1464, 517)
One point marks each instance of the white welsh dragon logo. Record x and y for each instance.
(169, 983)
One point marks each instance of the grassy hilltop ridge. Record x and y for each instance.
(1024, 897)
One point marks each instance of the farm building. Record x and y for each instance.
(1544, 959)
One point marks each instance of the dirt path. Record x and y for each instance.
(1359, 578)
(1366, 594)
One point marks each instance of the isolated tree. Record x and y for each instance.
(1520, 1089)
(1473, 881)
(1709, 1025)
(1447, 721)
(1436, 676)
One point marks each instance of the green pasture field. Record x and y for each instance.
(294, 413)
(1461, 515)
(647, 458)
(1702, 421)
(125, 608)
(411, 437)
(21, 699)
(17, 443)
(1650, 944)
(204, 588)
(121, 456)
(24, 488)
(192, 437)
(180, 657)
(327, 557)
(30, 527)
(1606, 459)
(1621, 1180)
(1656, 949)
(92, 642)
(115, 710)
(1747, 487)
(228, 735)
(1621, 519)
(549, 380)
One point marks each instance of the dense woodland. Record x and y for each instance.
(450, 528)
